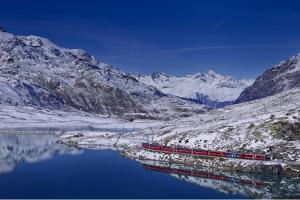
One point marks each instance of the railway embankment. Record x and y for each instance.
(273, 167)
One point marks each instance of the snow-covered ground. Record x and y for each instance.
(14, 118)
(268, 125)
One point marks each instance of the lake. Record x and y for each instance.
(36, 166)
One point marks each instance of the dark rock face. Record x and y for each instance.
(2, 29)
(157, 75)
(282, 77)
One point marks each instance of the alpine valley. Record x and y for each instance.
(91, 104)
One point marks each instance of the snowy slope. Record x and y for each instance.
(279, 78)
(256, 126)
(29, 119)
(36, 72)
(210, 88)
(266, 125)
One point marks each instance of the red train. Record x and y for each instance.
(201, 152)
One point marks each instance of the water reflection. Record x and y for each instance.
(246, 184)
(17, 148)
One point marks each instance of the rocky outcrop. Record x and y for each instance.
(280, 78)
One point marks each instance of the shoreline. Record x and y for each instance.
(134, 152)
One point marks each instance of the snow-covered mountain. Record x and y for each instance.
(209, 88)
(36, 72)
(279, 78)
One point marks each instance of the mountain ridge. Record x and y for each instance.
(34, 71)
(279, 78)
(210, 88)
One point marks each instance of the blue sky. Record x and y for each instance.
(237, 37)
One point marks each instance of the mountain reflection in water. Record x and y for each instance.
(17, 148)
(101, 166)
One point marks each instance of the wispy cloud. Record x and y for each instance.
(149, 50)
(196, 48)
(219, 25)
(221, 47)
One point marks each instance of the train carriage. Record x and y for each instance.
(183, 150)
(146, 145)
(167, 149)
(216, 153)
(249, 156)
(155, 147)
(260, 157)
(233, 155)
(200, 152)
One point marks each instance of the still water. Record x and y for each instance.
(35, 166)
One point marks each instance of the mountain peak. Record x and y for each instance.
(157, 75)
(211, 72)
(2, 29)
(208, 87)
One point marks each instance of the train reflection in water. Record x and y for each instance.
(205, 175)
